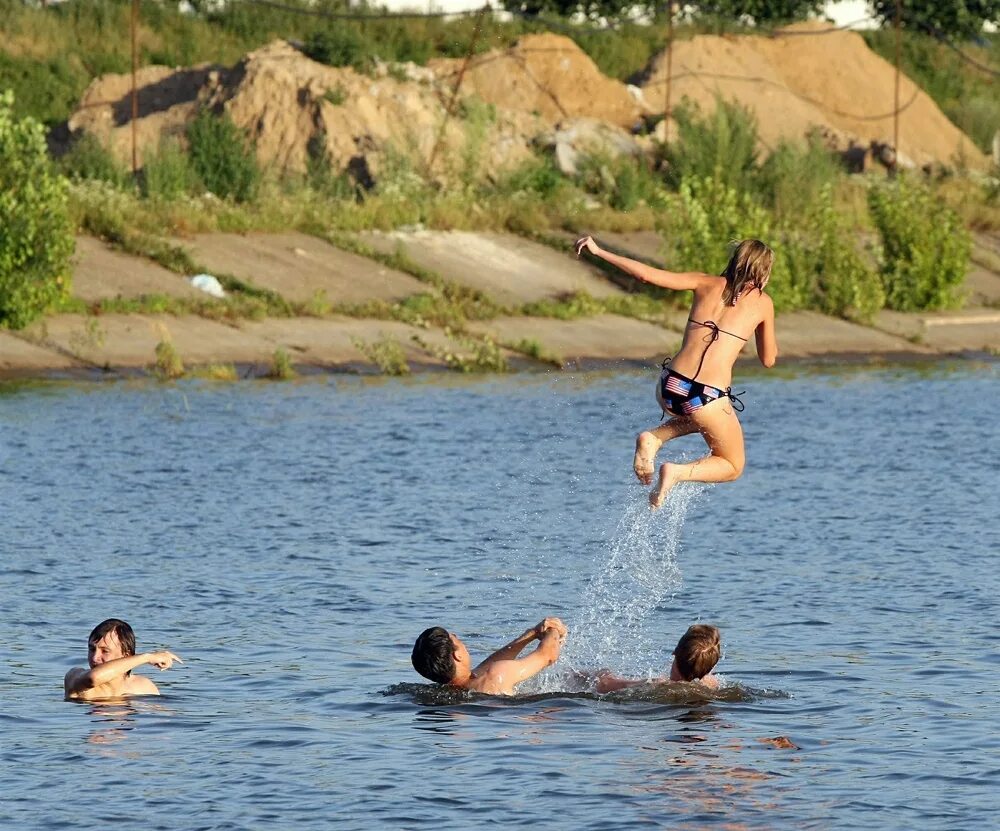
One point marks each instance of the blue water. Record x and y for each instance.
(289, 541)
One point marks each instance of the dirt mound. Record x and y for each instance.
(545, 74)
(293, 107)
(800, 80)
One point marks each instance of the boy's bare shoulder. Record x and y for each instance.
(141, 685)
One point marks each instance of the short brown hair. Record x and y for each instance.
(124, 633)
(698, 651)
(749, 267)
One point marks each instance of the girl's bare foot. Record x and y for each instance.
(646, 445)
(668, 478)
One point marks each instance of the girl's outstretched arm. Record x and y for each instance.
(678, 281)
(767, 343)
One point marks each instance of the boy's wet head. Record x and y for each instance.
(697, 651)
(434, 655)
(749, 268)
(121, 630)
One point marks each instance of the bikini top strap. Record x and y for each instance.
(716, 331)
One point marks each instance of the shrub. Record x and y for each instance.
(623, 183)
(36, 236)
(925, 249)
(222, 158)
(340, 45)
(843, 285)
(87, 158)
(167, 174)
(721, 146)
(793, 176)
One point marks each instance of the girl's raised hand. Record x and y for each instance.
(585, 243)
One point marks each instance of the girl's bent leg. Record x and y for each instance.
(718, 424)
(648, 443)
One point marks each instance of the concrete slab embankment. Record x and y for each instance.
(586, 340)
(515, 269)
(511, 270)
(300, 267)
(101, 273)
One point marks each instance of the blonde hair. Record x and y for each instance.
(749, 268)
(698, 651)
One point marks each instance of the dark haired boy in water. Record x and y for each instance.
(695, 656)
(111, 655)
(440, 656)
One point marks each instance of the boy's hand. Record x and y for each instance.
(586, 244)
(163, 660)
(553, 624)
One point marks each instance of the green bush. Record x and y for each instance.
(794, 175)
(222, 157)
(87, 158)
(623, 183)
(925, 248)
(36, 236)
(167, 173)
(340, 45)
(44, 89)
(721, 146)
(843, 285)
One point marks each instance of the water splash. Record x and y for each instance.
(638, 571)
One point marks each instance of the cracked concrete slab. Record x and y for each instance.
(101, 273)
(300, 267)
(511, 270)
(601, 338)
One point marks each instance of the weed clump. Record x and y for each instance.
(386, 353)
(168, 364)
(222, 157)
(281, 366)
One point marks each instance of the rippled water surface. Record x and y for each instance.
(290, 540)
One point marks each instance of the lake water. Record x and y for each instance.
(289, 541)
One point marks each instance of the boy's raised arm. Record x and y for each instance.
(509, 672)
(78, 680)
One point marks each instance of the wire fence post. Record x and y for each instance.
(135, 91)
(895, 102)
(670, 61)
(450, 107)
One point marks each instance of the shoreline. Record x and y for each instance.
(517, 278)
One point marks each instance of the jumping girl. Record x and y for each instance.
(695, 386)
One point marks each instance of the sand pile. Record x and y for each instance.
(545, 74)
(802, 80)
(292, 106)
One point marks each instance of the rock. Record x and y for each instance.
(578, 137)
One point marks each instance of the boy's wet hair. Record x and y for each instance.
(749, 268)
(434, 655)
(124, 633)
(697, 651)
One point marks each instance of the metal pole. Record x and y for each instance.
(135, 91)
(895, 105)
(458, 84)
(670, 63)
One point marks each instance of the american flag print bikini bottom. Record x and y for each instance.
(679, 395)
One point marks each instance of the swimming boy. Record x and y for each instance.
(111, 655)
(695, 656)
(440, 656)
(694, 388)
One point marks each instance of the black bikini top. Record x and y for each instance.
(716, 332)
